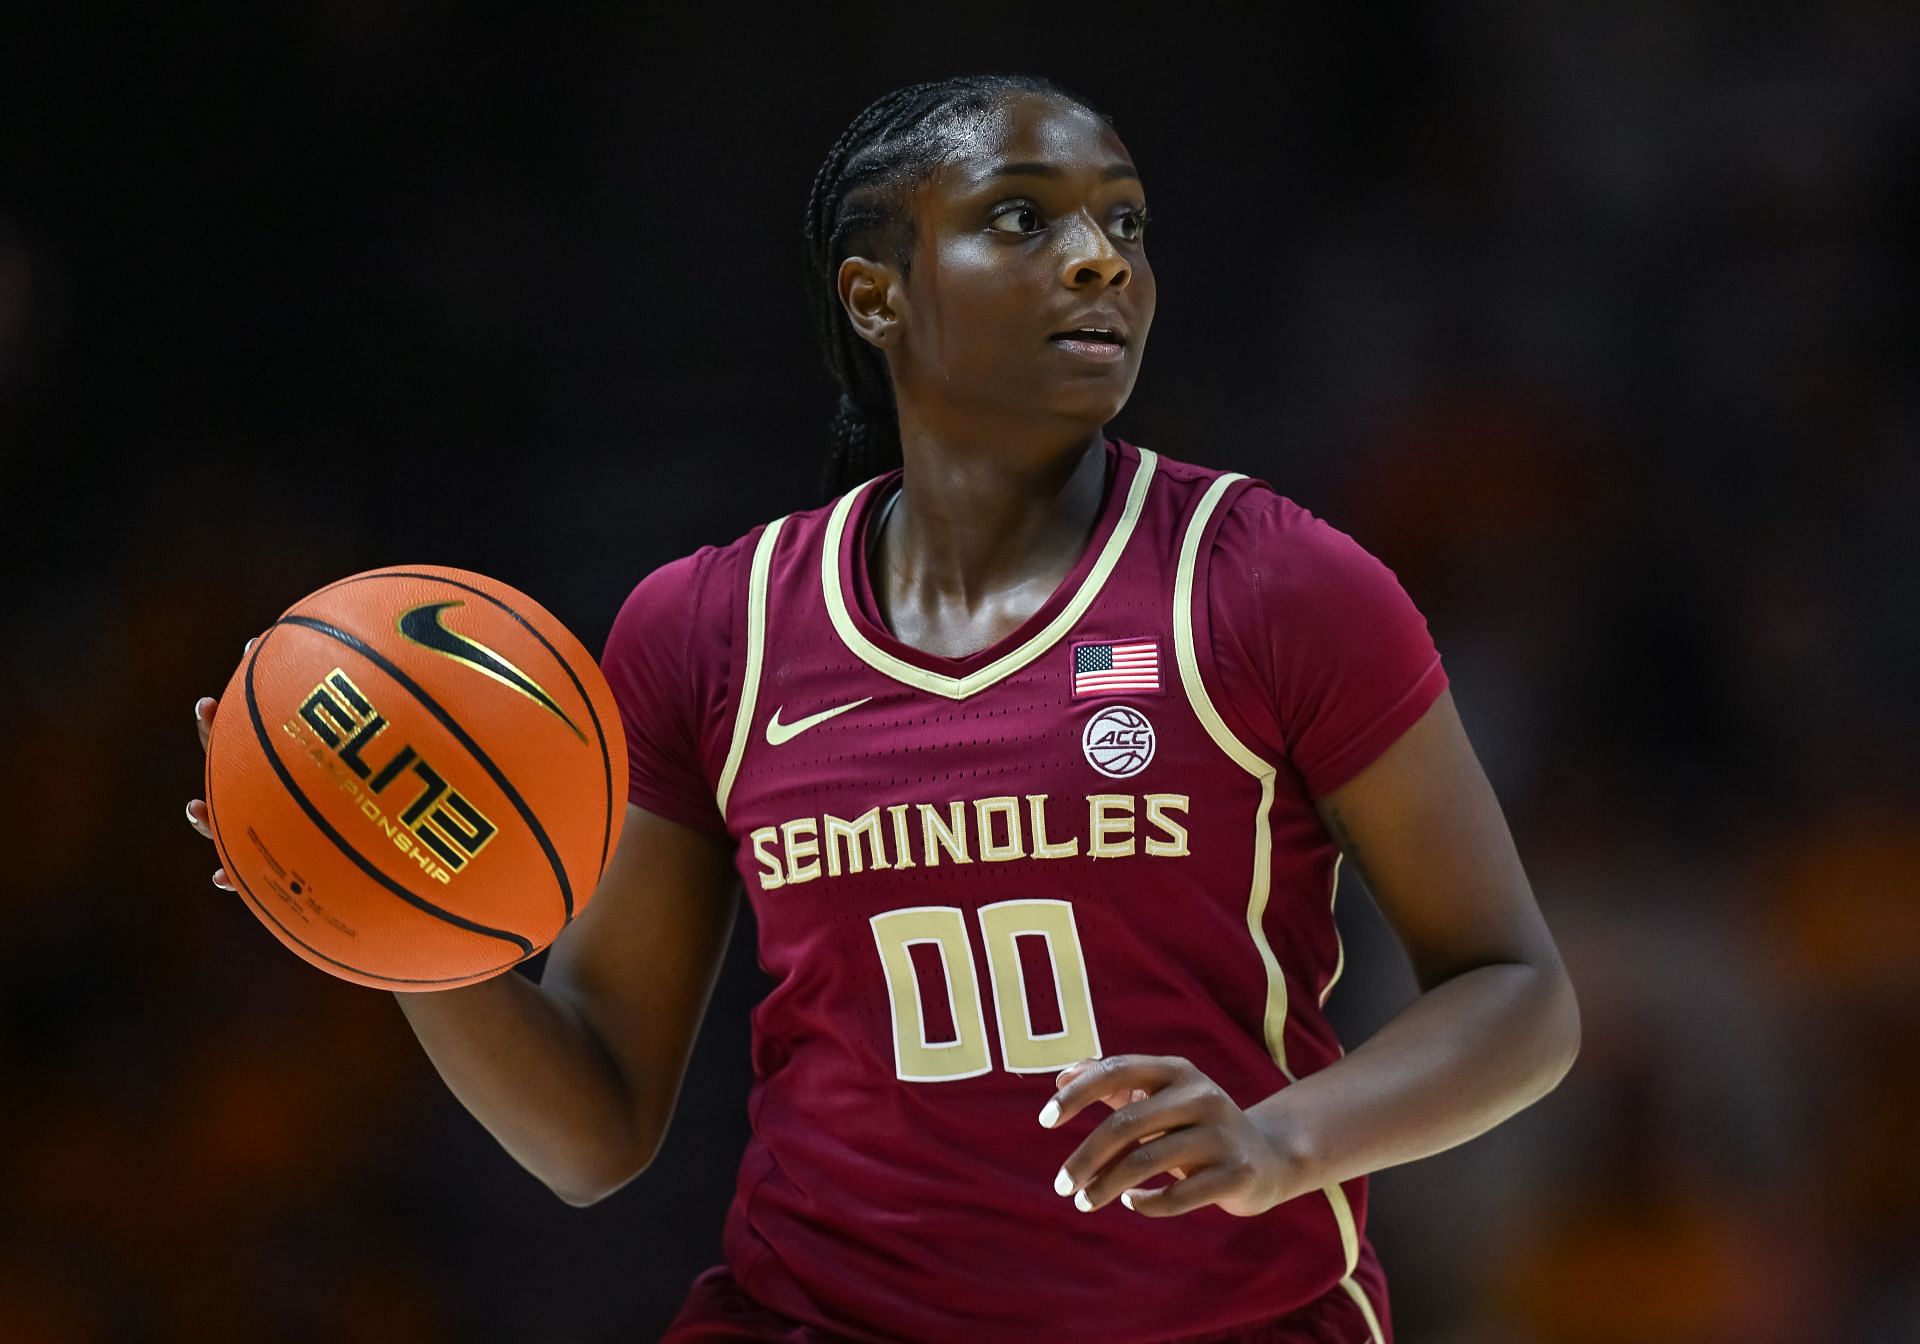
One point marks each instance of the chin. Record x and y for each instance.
(1093, 407)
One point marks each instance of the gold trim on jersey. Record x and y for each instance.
(1340, 948)
(1274, 1020)
(959, 688)
(756, 650)
(1359, 1295)
(1343, 1220)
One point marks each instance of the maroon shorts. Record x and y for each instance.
(718, 1312)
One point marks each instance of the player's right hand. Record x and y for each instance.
(197, 815)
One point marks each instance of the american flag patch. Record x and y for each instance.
(1131, 666)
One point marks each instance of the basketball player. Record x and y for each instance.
(1037, 752)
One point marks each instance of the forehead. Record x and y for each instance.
(1023, 128)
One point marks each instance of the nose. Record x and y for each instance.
(1092, 259)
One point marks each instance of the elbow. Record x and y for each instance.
(1565, 1015)
(578, 1199)
(582, 1189)
(599, 1185)
(582, 1195)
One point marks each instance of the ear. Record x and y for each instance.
(871, 293)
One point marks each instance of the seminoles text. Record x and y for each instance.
(989, 830)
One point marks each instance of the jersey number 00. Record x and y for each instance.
(918, 1060)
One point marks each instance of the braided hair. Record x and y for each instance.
(858, 207)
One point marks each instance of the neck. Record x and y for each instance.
(968, 525)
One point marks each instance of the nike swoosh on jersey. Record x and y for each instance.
(422, 625)
(778, 732)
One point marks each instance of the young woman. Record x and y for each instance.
(1037, 753)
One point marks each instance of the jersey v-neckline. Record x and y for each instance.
(848, 583)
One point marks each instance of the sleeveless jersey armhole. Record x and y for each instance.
(1229, 625)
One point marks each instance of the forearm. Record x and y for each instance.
(535, 1076)
(1454, 1063)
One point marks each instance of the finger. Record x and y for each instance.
(1073, 1070)
(198, 818)
(1135, 1123)
(220, 879)
(1185, 1149)
(1169, 1201)
(1115, 1099)
(203, 718)
(1103, 1078)
(250, 643)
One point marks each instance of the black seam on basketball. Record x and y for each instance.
(484, 761)
(359, 859)
(606, 763)
(260, 909)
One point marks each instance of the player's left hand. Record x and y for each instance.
(1168, 1117)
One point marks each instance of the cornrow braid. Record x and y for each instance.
(858, 207)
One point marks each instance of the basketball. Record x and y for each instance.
(416, 777)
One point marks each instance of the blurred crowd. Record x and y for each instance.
(1649, 463)
(1597, 329)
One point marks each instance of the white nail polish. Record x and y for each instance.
(1126, 1197)
(190, 817)
(1049, 1116)
(1062, 1183)
(1081, 1202)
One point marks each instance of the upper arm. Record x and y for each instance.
(639, 962)
(1422, 825)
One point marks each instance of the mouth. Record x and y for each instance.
(1091, 348)
(1103, 352)
(1090, 336)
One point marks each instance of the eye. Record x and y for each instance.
(1141, 218)
(1015, 208)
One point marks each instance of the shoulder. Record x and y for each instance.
(1248, 521)
(675, 590)
(1285, 580)
(1262, 538)
(1277, 551)
(1236, 509)
(1323, 651)
(1183, 479)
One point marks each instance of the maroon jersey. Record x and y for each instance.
(1094, 837)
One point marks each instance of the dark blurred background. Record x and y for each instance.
(1592, 322)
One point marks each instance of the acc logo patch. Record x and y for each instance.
(1118, 741)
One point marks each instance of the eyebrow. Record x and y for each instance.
(1112, 172)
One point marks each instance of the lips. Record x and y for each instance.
(1092, 326)
(1096, 352)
